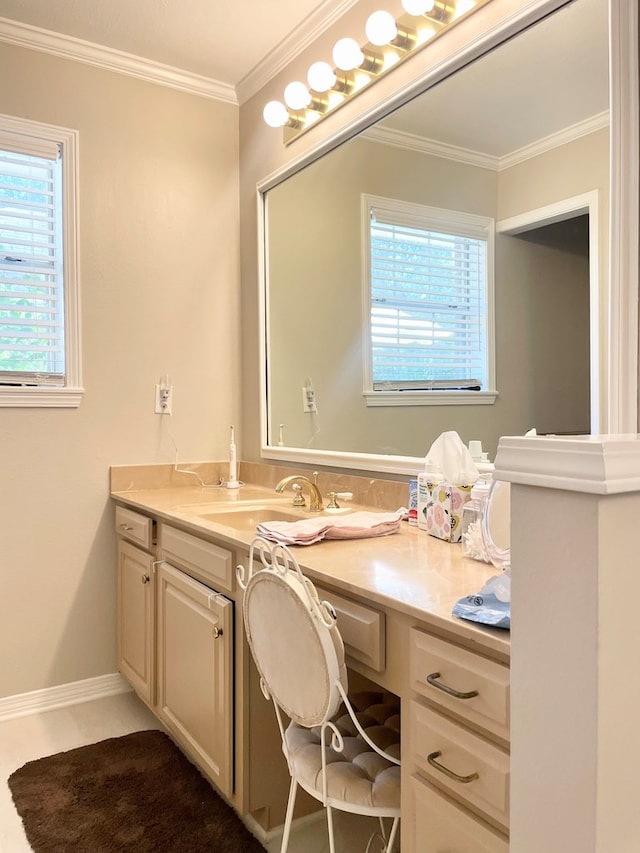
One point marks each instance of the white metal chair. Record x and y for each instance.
(343, 750)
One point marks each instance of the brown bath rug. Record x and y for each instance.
(133, 793)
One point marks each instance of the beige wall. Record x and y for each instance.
(159, 263)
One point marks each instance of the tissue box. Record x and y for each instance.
(444, 510)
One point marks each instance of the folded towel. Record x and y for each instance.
(304, 532)
(356, 525)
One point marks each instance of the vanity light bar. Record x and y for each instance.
(356, 67)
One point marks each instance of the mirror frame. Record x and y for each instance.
(619, 381)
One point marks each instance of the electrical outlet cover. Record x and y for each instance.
(308, 399)
(164, 399)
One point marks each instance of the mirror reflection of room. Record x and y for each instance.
(524, 145)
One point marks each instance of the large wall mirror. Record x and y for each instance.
(521, 136)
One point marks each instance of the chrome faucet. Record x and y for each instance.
(315, 497)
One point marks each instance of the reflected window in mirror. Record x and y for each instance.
(428, 304)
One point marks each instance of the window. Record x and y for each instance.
(429, 305)
(39, 319)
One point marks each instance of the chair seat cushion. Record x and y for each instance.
(357, 775)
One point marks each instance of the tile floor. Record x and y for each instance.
(34, 736)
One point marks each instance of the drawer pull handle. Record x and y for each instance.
(217, 632)
(145, 578)
(126, 526)
(458, 694)
(431, 758)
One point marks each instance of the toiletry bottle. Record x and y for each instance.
(472, 510)
(413, 503)
(427, 481)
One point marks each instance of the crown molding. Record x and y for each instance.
(413, 142)
(109, 59)
(292, 46)
(554, 140)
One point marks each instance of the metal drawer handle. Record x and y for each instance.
(431, 758)
(145, 578)
(433, 681)
(217, 632)
(125, 526)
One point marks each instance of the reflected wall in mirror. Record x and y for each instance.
(512, 136)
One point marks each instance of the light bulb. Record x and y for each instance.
(418, 7)
(321, 77)
(275, 114)
(347, 54)
(381, 28)
(297, 96)
(463, 6)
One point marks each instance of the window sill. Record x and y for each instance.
(430, 398)
(21, 397)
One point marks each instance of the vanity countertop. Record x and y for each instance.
(409, 571)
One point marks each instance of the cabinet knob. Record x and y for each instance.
(126, 526)
(217, 632)
(431, 758)
(145, 578)
(451, 691)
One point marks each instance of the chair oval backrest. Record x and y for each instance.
(299, 658)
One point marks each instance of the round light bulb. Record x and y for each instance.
(275, 114)
(347, 54)
(381, 28)
(321, 77)
(297, 96)
(418, 7)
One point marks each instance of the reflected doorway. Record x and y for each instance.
(553, 255)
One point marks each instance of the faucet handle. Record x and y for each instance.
(333, 503)
(298, 499)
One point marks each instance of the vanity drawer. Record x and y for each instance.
(441, 826)
(205, 561)
(135, 527)
(362, 629)
(464, 763)
(472, 687)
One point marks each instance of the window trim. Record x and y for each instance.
(69, 395)
(414, 214)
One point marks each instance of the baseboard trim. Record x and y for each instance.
(38, 701)
(265, 836)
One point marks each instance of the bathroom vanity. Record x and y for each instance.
(182, 647)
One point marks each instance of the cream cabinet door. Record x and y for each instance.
(441, 826)
(136, 619)
(195, 647)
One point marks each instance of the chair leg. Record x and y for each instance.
(289, 816)
(332, 843)
(392, 835)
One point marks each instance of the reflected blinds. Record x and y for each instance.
(428, 314)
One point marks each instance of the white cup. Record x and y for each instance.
(475, 449)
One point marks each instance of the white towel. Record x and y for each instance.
(356, 525)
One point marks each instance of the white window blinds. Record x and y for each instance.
(32, 345)
(428, 300)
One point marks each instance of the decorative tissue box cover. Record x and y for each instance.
(444, 509)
